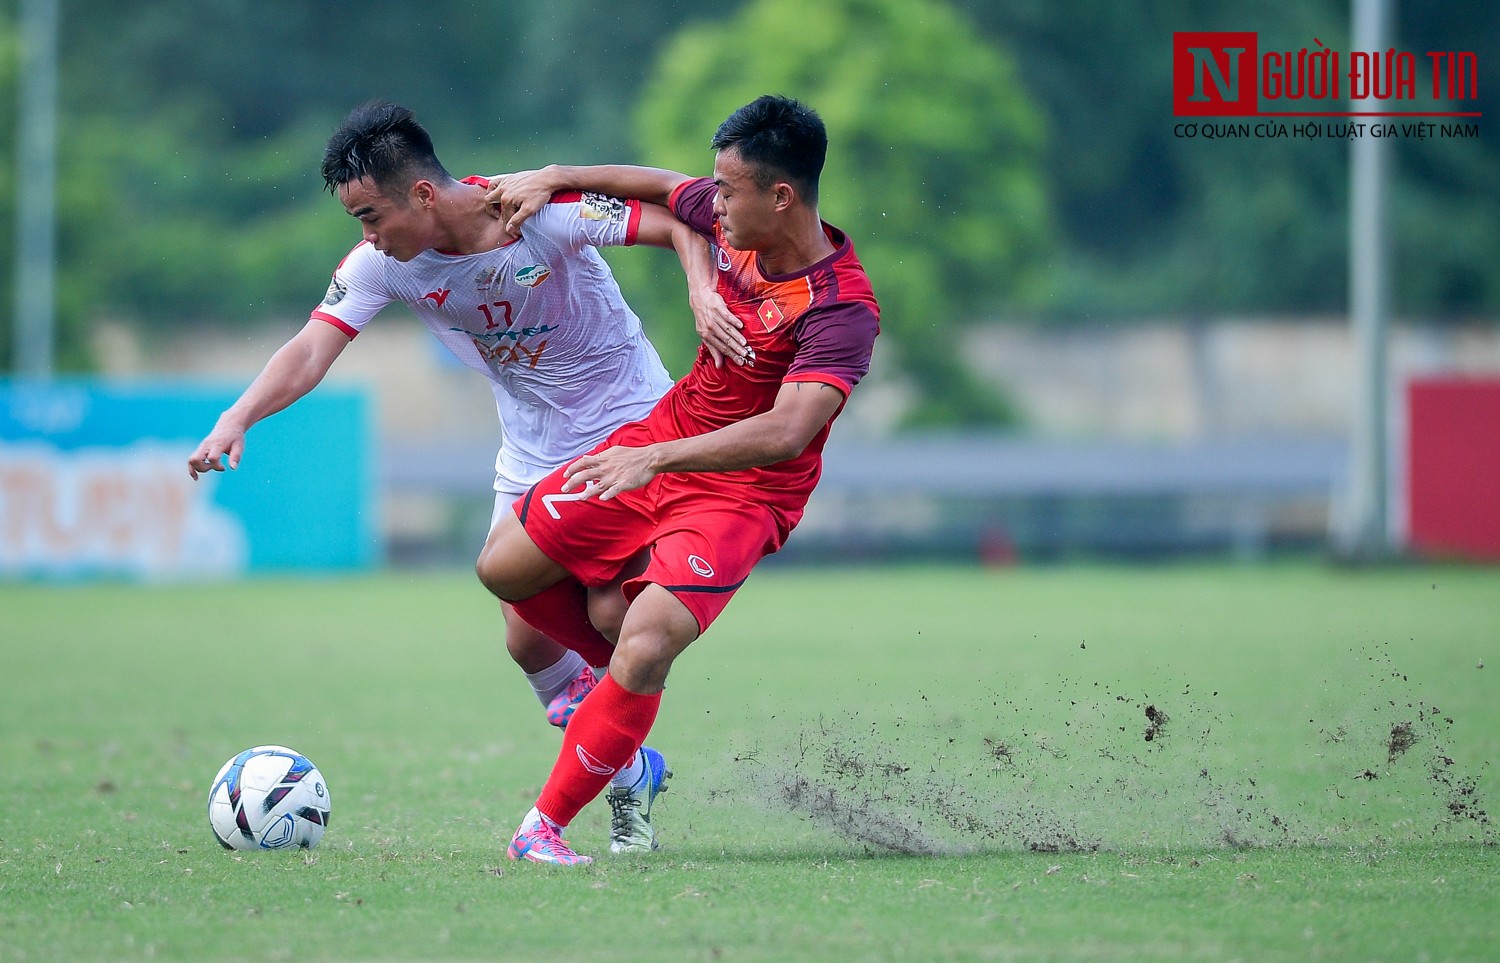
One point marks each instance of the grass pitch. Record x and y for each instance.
(1270, 763)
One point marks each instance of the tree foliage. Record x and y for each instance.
(991, 160)
(933, 165)
(8, 62)
(1156, 225)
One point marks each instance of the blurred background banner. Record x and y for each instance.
(94, 482)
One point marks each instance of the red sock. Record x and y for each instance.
(609, 725)
(562, 613)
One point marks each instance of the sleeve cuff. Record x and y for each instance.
(336, 322)
(819, 377)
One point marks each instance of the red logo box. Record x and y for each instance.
(1215, 74)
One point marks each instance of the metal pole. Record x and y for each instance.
(36, 208)
(1362, 531)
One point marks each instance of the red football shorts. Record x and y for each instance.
(704, 540)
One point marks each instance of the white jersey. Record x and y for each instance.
(541, 317)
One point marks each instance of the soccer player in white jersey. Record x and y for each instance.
(539, 314)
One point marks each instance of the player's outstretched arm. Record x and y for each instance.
(802, 409)
(293, 371)
(523, 193)
(717, 326)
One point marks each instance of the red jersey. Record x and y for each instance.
(818, 324)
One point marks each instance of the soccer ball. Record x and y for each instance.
(269, 797)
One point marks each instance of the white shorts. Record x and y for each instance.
(506, 492)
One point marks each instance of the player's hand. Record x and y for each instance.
(610, 472)
(518, 196)
(226, 443)
(719, 329)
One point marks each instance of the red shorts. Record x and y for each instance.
(704, 537)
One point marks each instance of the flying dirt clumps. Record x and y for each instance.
(856, 819)
(1156, 719)
(1402, 738)
(1071, 774)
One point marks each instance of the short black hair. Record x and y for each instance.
(779, 138)
(384, 142)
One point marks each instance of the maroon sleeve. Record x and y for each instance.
(834, 345)
(693, 203)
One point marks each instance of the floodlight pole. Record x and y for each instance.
(1362, 532)
(36, 178)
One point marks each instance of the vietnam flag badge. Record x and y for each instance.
(770, 314)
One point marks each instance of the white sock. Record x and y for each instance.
(535, 818)
(631, 774)
(555, 678)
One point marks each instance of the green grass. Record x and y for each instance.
(995, 718)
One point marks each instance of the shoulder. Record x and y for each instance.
(363, 262)
(691, 190)
(693, 202)
(841, 280)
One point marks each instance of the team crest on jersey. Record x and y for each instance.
(485, 279)
(770, 314)
(335, 292)
(533, 275)
(598, 207)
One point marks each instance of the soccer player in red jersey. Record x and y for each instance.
(644, 540)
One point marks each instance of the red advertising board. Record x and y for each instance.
(1453, 467)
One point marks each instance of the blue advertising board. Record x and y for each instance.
(94, 482)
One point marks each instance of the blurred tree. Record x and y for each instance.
(8, 94)
(1153, 224)
(244, 239)
(190, 134)
(1445, 204)
(933, 165)
(1017, 159)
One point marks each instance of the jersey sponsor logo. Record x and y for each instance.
(533, 275)
(598, 207)
(503, 354)
(335, 293)
(701, 567)
(770, 314)
(591, 762)
(512, 335)
(722, 258)
(436, 297)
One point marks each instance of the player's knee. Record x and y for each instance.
(642, 660)
(500, 573)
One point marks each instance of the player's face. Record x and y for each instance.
(398, 226)
(747, 211)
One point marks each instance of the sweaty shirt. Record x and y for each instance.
(818, 324)
(541, 317)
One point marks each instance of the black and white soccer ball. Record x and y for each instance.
(269, 797)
